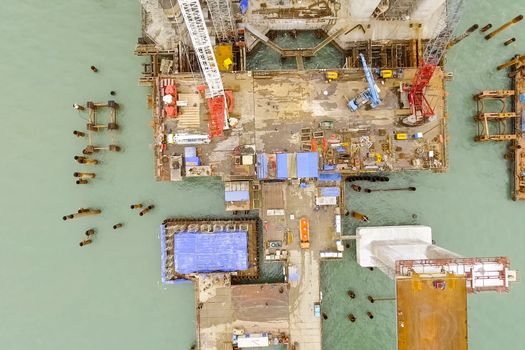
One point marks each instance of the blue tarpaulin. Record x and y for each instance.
(243, 5)
(329, 177)
(192, 161)
(190, 152)
(307, 165)
(330, 191)
(210, 252)
(328, 167)
(236, 196)
(282, 165)
(262, 166)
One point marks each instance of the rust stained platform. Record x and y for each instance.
(253, 308)
(508, 124)
(430, 318)
(519, 143)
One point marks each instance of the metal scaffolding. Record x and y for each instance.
(192, 13)
(449, 18)
(395, 10)
(222, 19)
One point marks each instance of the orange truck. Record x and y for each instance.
(304, 228)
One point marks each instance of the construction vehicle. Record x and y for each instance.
(386, 73)
(369, 96)
(304, 229)
(332, 75)
(421, 110)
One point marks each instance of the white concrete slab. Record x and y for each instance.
(368, 235)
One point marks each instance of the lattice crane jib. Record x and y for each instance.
(192, 13)
(222, 19)
(434, 51)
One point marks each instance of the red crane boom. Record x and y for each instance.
(434, 51)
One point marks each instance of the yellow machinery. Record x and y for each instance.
(331, 75)
(386, 73)
(224, 57)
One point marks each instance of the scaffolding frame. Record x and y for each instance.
(222, 19)
(192, 13)
(482, 274)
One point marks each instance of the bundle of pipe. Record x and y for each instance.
(145, 210)
(82, 212)
(503, 27)
(368, 190)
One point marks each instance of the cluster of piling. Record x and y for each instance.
(90, 234)
(490, 35)
(145, 210)
(352, 318)
(94, 126)
(83, 178)
(81, 213)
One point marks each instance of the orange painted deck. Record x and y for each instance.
(430, 318)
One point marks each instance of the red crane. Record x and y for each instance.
(434, 51)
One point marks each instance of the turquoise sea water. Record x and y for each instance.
(263, 56)
(56, 295)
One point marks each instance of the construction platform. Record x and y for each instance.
(282, 142)
(518, 145)
(228, 312)
(293, 111)
(184, 262)
(506, 124)
(432, 312)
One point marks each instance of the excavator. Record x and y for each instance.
(369, 96)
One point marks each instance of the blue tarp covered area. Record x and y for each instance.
(330, 191)
(236, 196)
(243, 5)
(329, 177)
(210, 252)
(307, 165)
(262, 166)
(282, 165)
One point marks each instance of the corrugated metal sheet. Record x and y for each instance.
(192, 161)
(236, 196)
(307, 165)
(262, 166)
(329, 177)
(330, 191)
(190, 152)
(282, 166)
